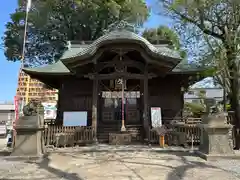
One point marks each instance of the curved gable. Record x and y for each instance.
(155, 52)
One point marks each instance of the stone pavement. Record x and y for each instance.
(73, 164)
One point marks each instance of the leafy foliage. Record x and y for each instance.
(195, 110)
(217, 22)
(54, 22)
(154, 35)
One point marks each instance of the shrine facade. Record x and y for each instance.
(116, 79)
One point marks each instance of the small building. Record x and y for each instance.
(116, 79)
(210, 93)
(7, 115)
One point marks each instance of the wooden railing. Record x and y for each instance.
(186, 127)
(69, 135)
(191, 132)
(192, 120)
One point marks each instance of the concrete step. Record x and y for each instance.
(104, 130)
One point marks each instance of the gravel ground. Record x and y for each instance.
(70, 164)
(232, 166)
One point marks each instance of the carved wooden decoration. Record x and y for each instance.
(118, 94)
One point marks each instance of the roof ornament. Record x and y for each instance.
(121, 25)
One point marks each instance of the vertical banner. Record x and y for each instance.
(21, 104)
(16, 107)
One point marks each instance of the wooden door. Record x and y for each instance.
(132, 111)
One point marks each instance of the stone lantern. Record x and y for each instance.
(29, 128)
(214, 142)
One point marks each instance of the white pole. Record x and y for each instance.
(192, 143)
(29, 2)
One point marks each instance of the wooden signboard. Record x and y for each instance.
(118, 94)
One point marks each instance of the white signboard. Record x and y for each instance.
(50, 110)
(156, 116)
(75, 118)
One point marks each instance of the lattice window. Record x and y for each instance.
(108, 116)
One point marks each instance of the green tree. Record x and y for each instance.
(54, 22)
(163, 33)
(216, 21)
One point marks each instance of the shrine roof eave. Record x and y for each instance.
(188, 70)
(155, 52)
(57, 68)
(191, 75)
(49, 74)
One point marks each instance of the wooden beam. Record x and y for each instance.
(80, 62)
(126, 62)
(117, 75)
(159, 61)
(133, 63)
(102, 65)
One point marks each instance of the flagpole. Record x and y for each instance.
(28, 7)
(22, 65)
(25, 33)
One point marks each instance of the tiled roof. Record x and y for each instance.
(79, 50)
(120, 36)
(55, 68)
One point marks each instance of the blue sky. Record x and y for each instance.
(9, 70)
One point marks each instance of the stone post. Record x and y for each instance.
(214, 142)
(29, 139)
(95, 108)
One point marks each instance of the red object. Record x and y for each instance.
(16, 111)
(16, 104)
(122, 99)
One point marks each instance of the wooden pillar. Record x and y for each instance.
(94, 108)
(146, 106)
(59, 118)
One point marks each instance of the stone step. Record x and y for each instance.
(104, 130)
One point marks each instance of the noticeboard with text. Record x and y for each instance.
(156, 116)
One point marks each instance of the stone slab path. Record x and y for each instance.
(122, 165)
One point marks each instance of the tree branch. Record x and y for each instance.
(199, 25)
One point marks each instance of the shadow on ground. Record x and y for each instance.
(176, 172)
(44, 163)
